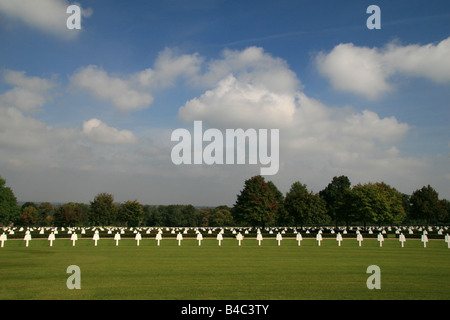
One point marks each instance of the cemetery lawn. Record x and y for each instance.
(228, 272)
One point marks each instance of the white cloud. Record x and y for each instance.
(167, 68)
(29, 93)
(355, 69)
(98, 131)
(238, 103)
(316, 141)
(254, 66)
(430, 61)
(48, 16)
(367, 71)
(133, 91)
(122, 93)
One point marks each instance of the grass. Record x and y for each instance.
(228, 272)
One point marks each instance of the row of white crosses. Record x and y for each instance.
(239, 237)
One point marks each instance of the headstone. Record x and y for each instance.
(158, 237)
(359, 238)
(402, 239)
(424, 239)
(96, 237)
(199, 238)
(138, 238)
(259, 237)
(239, 238)
(3, 238)
(299, 238)
(319, 238)
(279, 238)
(117, 238)
(339, 238)
(220, 238)
(74, 238)
(380, 239)
(179, 238)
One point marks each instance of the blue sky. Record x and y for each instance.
(92, 111)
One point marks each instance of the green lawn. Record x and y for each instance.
(208, 271)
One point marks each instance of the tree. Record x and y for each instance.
(130, 214)
(103, 209)
(444, 214)
(46, 211)
(256, 205)
(152, 216)
(69, 214)
(377, 203)
(425, 204)
(221, 216)
(392, 210)
(305, 207)
(9, 210)
(30, 215)
(281, 214)
(336, 195)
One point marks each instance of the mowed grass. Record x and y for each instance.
(209, 271)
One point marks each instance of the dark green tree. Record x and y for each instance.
(68, 215)
(103, 210)
(336, 196)
(256, 205)
(46, 211)
(30, 215)
(221, 216)
(9, 210)
(130, 214)
(376, 203)
(304, 207)
(425, 205)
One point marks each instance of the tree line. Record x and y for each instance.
(259, 203)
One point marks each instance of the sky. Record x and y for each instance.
(92, 110)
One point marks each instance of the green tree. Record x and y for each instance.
(305, 207)
(377, 203)
(336, 196)
(425, 205)
(256, 205)
(391, 210)
(444, 215)
(130, 214)
(221, 216)
(103, 210)
(152, 216)
(46, 211)
(69, 214)
(9, 210)
(30, 215)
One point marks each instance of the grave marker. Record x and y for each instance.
(279, 238)
(74, 238)
(3, 238)
(117, 238)
(138, 238)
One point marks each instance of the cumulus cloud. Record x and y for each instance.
(167, 68)
(239, 103)
(367, 71)
(48, 16)
(122, 93)
(98, 131)
(254, 66)
(133, 91)
(316, 140)
(29, 93)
